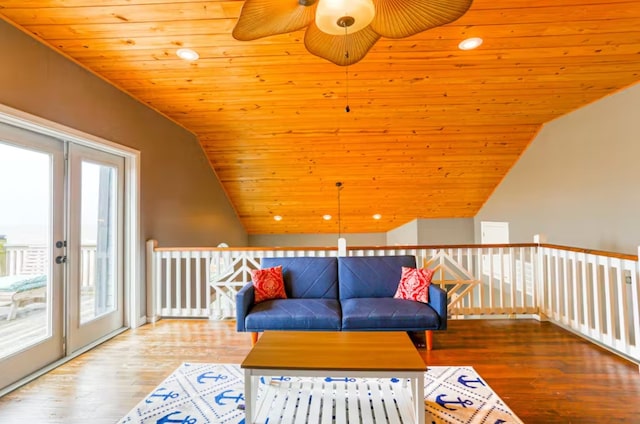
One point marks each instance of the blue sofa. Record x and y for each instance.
(341, 294)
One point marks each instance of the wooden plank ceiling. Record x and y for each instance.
(432, 129)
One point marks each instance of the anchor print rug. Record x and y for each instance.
(198, 393)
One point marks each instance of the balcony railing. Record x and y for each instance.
(24, 259)
(593, 294)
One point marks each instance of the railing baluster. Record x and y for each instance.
(623, 311)
(609, 308)
(566, 302)
(598, 321)
(575, 289)
(198, 309)
(169, 285)
(188, 278)
(585, 326)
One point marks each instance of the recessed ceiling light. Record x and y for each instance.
(188, 54)
(377, 216)
(470, 43)
(277, 217)
(326, 217)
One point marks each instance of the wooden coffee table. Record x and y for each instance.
(334, 354)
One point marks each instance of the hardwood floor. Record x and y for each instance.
(545, 374)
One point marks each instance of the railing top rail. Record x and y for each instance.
(237, 249)
(350, 248)
(592, 251)
(623, 256)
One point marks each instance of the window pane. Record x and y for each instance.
(25, 240)
(97, 234)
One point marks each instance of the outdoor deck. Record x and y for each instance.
(30, 325)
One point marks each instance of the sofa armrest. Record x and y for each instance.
(244, 300)
(438, 301)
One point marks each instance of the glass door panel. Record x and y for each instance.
(95, 245)
(31, 221)
(98, 230)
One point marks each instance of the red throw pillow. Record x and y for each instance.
(268, 284)
(414, 284)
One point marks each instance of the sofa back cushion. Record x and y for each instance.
(371, 276)
(307, 277)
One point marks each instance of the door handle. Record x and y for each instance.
(61, 259)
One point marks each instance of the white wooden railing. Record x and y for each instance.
(22, 259)
(594, 294)
(203, 282)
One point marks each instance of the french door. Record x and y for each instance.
(61, 249)
(95, 245)
(31, 223)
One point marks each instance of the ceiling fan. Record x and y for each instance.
(343, 31)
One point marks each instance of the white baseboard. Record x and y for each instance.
(141, 321)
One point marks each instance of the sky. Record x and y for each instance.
(24, 196)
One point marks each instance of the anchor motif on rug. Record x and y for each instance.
(221, 396)
(467, 382)
(186, 420)
(162, 394)
(209, 375)
(443, 402)
(346, 379)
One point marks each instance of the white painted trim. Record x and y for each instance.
(133, 274)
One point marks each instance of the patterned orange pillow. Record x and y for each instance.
(414, 284)
(268, 284)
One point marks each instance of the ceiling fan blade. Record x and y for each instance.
(262, 18)
(403, 18)
(334, 47)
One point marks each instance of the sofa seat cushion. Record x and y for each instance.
(387, 314)
(294, 314)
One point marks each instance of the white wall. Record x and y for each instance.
(316, 240)
(445, 231)
(578, 181)
(404, 235)
(413, 233)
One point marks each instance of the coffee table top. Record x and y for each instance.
(335, 350)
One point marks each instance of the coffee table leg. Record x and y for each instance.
(418, 397)
(249, 396)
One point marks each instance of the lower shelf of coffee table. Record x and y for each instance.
(334, 400)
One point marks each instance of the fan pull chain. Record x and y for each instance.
(346, 56)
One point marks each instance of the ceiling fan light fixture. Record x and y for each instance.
(333, 16)
(343, 31)
(277, 217)
(326, 217)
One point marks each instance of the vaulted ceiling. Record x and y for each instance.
(432, 129)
